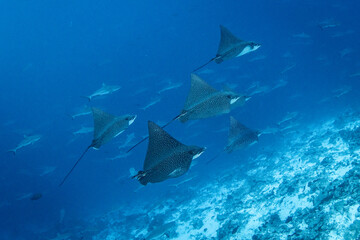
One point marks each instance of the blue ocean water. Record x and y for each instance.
(54, 52)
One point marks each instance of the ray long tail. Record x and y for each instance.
(204, 64)
(142, 140)
(215, 157)
(68, 174)
(172, 120)
(164, 126)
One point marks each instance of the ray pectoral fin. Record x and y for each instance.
(164, 126)
(68, 174)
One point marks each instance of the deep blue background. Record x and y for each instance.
(53, 52)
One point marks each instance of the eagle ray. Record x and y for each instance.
(230, 47)
(166, 157)
(204, 101)
(106, 127)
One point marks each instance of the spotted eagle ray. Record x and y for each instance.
(239, 137)
(230, 47)
(205, 101)
(104, 90)
(166, 157)
(106, 127)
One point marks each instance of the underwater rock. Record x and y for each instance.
(197, 223)
(323, 198)
(165, 229)
(354, 230)
(184, 216)
(352, 138)
(307, 189)
(274, 219)
(227, 228)
(285, 188)
(327, 161)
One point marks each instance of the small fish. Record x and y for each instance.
(289, 67)
(301, 35)
(289, 116)
(104, 90)
(28, 140)
(83, 112)
(152, 103)
(260, 89)
(138, 188)
(24, 196)
(281, 83)
(170, 86)
(342, 91)
(120, 156)
(129, 138)
(355, 74)
(31, 196)
(270, 130)
(290, 126)
(328, 24)
(83, 130)
(345, 52)
(47, 170)
(253, 85)
(184, 181)
(221, 130)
